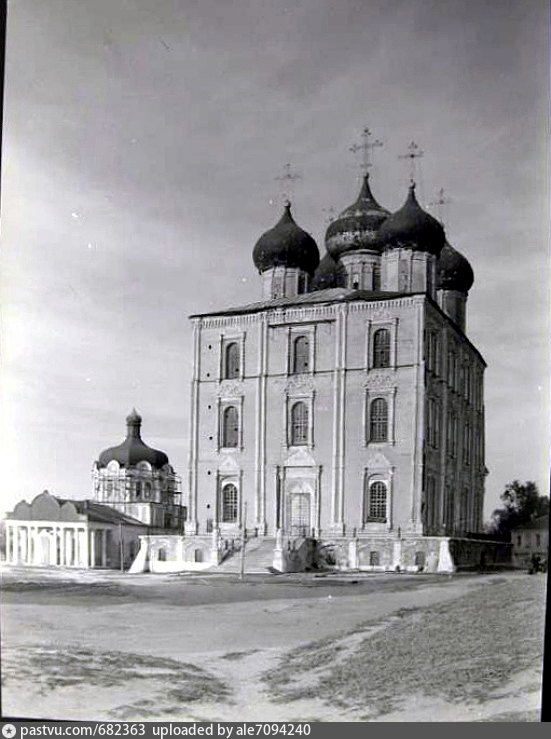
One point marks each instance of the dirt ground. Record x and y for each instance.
(105, 646)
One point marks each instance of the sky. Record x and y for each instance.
(141, 145)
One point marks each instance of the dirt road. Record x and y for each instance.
(103, 646)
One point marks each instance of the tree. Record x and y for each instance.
(522, 504)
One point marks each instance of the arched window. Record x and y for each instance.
(299, 424)
(381, 348)
(301, 355)
(229, 503)
(378, 420)
(147, 490)
(138, 490)
(161, 555)
(230, 429)
(375, 504)
(231, 370)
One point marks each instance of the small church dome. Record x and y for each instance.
(412, 227)
(358, 225)
(286, 245)
(133, 450)
(453, 271)
(327, 275)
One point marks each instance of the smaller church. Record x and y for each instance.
(136, 494)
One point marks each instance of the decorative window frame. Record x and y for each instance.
(224, 403)
(293, 333)
(370, 476)
(232, 337)
(291, 398)
(372, 326)
(222, 480)
(389, 394)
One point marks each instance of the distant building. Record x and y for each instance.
(529, 540)
(137, 493)
(347, 404)
(137, 480)
(52, 531)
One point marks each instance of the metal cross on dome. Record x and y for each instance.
(439, 204)
(366, 148)
(287, 183)
(329, 214)
(414, 152)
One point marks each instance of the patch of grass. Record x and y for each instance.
(232, 656)
(461, 651)
(50, 668)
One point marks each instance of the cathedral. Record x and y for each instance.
(338, 420)
(346, 405)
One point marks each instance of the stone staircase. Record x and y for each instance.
(259, 557)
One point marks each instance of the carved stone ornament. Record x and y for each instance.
(230, 389)
(300, 458)
(378, 461)
(380, 311)
(228, 466)
(378, 379)
(299, 384)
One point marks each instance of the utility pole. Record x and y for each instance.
(243, 541)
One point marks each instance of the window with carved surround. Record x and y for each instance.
(381, 343)
(381, 348)
(299, 419)
(232, 365)
(230, 424)
(376, 498)
(232, 356)
(378, 421)
(229, 503)
(301, 350)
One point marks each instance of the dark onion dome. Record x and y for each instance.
(453, 271)
(328, 274)
(413, 228)
(286, 245)
(133, 450)
(358, 225)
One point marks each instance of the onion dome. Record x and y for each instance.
(412, 227)
(453, 271)
(133, 450)
(358, 225)
(286, 245)
(327, 275)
